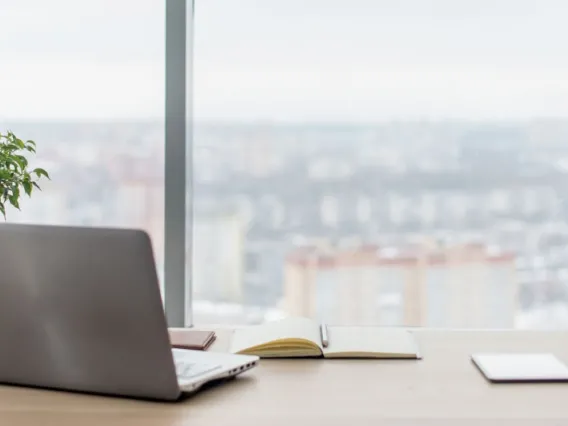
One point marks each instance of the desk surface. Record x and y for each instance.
(444, 388)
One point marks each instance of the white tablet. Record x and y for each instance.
(515, 367)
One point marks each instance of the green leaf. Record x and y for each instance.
(21, 160)
(27, 187)
(14, 197)
(12, 165)
(30, 146)
(40, 172)
(19, 143)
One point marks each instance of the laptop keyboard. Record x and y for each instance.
(190, 370)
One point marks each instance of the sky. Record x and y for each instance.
(293, 60)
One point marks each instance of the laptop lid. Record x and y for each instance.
(81, 310)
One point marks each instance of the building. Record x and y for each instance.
(469, 286)
(46, 206)
(218, 257)
(134, 197)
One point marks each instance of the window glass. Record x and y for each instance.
(429, 137)
(85, 81)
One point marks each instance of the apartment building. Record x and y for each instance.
(218, 257)
(469, 286)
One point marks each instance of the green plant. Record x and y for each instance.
(14, 173)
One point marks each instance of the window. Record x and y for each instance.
(326, 297)
(391, 295)
(85, 80)
(424, 137)
(436, 297)
(328, 142)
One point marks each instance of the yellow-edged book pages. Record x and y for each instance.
(290, 337)
(301, 337)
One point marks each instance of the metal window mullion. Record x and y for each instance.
(175, 197)
(189, 161)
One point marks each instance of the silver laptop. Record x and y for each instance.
(81, 310)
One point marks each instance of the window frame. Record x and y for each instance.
(178, 154)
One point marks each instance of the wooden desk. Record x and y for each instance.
(444, 388)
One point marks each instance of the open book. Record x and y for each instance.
(301, 337)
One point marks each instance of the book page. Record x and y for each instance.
(292, 335)
(370, 342)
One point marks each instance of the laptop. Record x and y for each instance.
(81, 310)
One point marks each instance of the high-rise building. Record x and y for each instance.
(467, 286)
(218, 253)
(137, 198)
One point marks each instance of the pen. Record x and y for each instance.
(324, 338)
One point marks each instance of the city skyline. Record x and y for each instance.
(261, 191)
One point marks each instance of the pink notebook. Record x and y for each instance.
(191, 339)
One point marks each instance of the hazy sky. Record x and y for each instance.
(289, 59)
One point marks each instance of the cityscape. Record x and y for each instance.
(437, 224)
